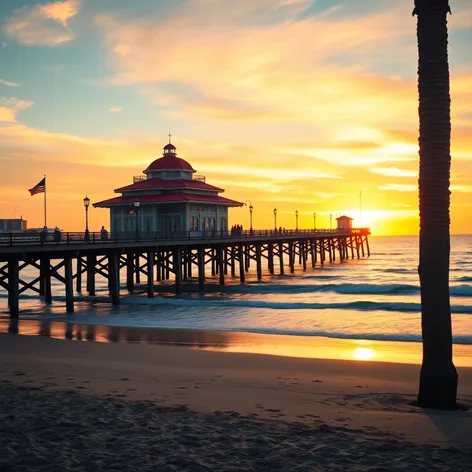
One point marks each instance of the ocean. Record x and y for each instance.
(374, 298)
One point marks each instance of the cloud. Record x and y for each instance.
(115, 109)
(399, 187)
(394, 172)
(9, 108)
(9, 84)
(44, 25)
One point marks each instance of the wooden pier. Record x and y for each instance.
(72, 257)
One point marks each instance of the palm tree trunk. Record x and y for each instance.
(438, 378)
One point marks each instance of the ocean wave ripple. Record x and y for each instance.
(361, 305)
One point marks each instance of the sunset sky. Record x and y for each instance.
(291, 104)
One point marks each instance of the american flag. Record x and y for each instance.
(38, 188)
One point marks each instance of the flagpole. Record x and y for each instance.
(45, 224)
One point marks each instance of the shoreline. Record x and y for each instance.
(295, 346)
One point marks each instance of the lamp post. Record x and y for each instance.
(86, 205)
(314, 221)
(250, 213)
(330, 221)
(137, 204)
(296, 220)
(275, 218)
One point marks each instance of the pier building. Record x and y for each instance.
(169, 198)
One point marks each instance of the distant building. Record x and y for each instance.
(13, 224)
(170, 198)
(344, 222)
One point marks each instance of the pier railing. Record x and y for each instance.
(35, 238)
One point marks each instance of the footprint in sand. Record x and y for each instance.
(273, 410)
(317, 381)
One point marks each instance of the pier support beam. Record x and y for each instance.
(270, 258)
(168, 266)
(201, 268)
(225, 260)
(150, 275)
(233, 261)
(281, 258)
(213, 262)
(242, 269)
(189, 262)
(220, 264)
(367, 245)
(69, 284)
(13, 288)
(177, 260)
(78, 280)
(291, 257)
(341, 249)
(91, 262)
(184, 265)
(247, 254)
(45, 279)
(130, 272)
(114, 277)
(137, 268)
(302, 246)
(258, 261)
(158, 265)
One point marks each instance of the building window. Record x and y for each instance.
(193, 223)
(224, 225)
(212, 224)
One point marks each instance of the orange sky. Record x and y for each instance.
(294, 105)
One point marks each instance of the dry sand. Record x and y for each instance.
(69, 405)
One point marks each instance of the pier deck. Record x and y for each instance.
(160, 257)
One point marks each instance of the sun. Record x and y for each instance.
(363, 354)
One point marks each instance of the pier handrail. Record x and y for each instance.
(39, 238)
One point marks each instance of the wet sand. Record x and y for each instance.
(70, 405)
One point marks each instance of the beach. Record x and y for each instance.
(69, 405)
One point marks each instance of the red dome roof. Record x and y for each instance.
(169, 162)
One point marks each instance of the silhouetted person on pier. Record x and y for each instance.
(103, 234)
(43, 235)
(57, 235)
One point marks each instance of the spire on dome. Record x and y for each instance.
(170, 149)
